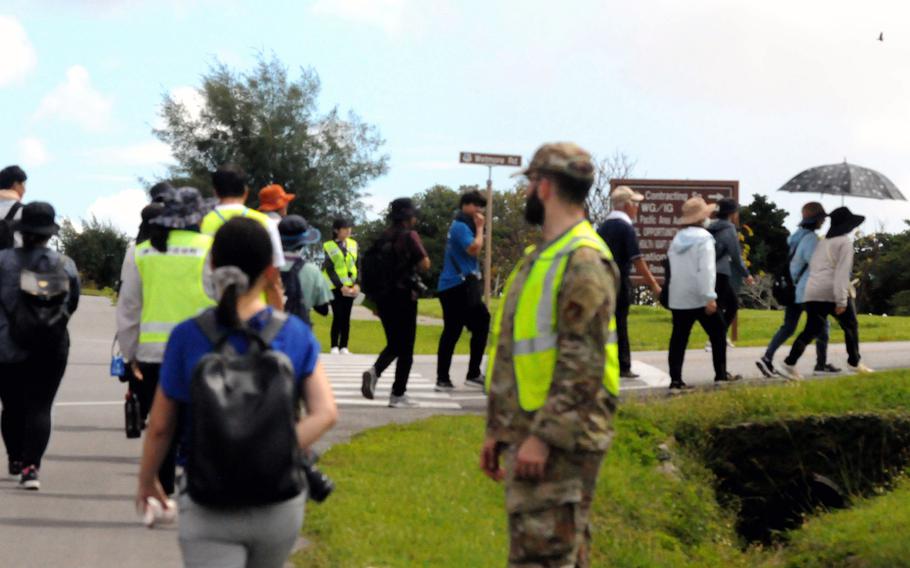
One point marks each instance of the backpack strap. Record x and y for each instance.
(208, 323)
(274, 327)
(11, 214)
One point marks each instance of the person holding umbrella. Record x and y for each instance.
(829, 291)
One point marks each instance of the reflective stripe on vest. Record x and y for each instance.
(345, 264)
(534, 348)
(172, 288)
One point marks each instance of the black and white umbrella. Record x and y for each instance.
(846, 180)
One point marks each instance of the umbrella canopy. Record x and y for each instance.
(846, 180)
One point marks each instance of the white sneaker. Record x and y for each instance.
(789, 372)
(860, 369)
(334, 351)
(344, 351)
(403, 401)
(708, 347)
(730, 343)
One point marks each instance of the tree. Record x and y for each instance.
(511, 233)
(882, 265)
(766, 235)
(269, 124)
(614, 166)
(98, 251)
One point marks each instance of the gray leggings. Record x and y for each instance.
(251, 537)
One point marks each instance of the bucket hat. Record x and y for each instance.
(184, 208)
(37, 219)
(273, 197)
(695, 210)
(843, 221)
(296, 232)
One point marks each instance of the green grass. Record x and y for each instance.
(368, 337)
(412, 495)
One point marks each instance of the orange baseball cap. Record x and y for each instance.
(272, 198)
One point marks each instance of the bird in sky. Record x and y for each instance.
(881, 36)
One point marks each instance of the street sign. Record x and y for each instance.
(656, 224)
(489, 159)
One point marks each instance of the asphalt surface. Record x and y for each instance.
(84, 516)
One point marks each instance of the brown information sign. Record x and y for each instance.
(489, 159)
(662, 206)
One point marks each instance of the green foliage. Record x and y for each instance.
(269, 124)
(98, 251)
(768, 241)
(882, 264)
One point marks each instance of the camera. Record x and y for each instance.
(320, 485)
(417, 285)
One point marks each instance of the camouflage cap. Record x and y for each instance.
(563, 158)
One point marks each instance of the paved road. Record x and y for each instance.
(83, 516)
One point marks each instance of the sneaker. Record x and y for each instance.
(708, 347)
(368, 387)
(334, 351)
(766, 367)
(730, 343)
(479, 382)
(680, 386)
(826, 369)
(29, 478)
(15, 469)
(789, 372)
(444, 386)
(403, 401)
(860, 368)
(728, 378)
(628, 375)
(344, 351)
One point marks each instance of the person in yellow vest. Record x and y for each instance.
(232, 191)
(553, 376)
(340, 269)
(165, 280)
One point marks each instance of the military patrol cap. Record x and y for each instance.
(563, 158)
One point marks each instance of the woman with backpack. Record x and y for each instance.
(340, 269)
(305, 288)
(232, 510)
(399, 254)
(39, 291)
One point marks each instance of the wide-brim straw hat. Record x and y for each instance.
(695, 210)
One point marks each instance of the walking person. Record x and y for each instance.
(12, 190)
(34, 342)
(397, 306)
(304, 286)
(618, 232)
(731, 268)
(801, 245)
(553, 375)
(165, 280)
(274, 201)
(692, 294)
(829, 292)
(226, 518)
(460, 292)
(340, 269)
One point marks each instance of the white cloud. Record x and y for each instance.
(32, 152)
(150, 153)
(191, 99)
(17, 56)
(385, 14)
(123, 209)
(77, 101)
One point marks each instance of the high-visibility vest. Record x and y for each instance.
(534, 345)
(172, 288)
(345, 264)
(218, 217)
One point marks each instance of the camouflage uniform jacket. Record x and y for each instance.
(578, 410)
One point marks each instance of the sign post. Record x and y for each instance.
(488, 160)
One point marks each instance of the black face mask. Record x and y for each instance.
(534, 209)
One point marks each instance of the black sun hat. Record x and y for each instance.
(843, 221)
(38, 219)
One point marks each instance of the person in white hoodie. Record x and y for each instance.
(691, 295)
(829, 291)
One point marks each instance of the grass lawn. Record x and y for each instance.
(412, 495)
(368, 336)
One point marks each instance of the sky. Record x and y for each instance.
(703, 89)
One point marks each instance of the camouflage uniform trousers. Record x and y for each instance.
(548, 518)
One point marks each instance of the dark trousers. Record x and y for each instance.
(622, 327)
(341, 318)
(457, 313)
(727, 302)
(816, 318)
(146, 394)
(714, 326)
(788, 328)
(398, 314)
(27, 391)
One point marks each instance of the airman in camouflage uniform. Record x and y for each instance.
(552, 455)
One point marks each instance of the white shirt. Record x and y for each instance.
(621, 215)
(271, 227)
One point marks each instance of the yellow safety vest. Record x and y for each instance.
(345, 264)
(172, 288)
(534, 346)
(216, 218)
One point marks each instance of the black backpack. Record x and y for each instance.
(244, 449)
(783, 288)
(379, 268)
(39, 319)
(293, 303)
(6, 226)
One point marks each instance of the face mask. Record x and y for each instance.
(534, 209)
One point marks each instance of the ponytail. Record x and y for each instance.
(226, 311)
(158, 237)
(230, 283)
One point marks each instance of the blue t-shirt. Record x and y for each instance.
(458, 263)
(188, 344)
